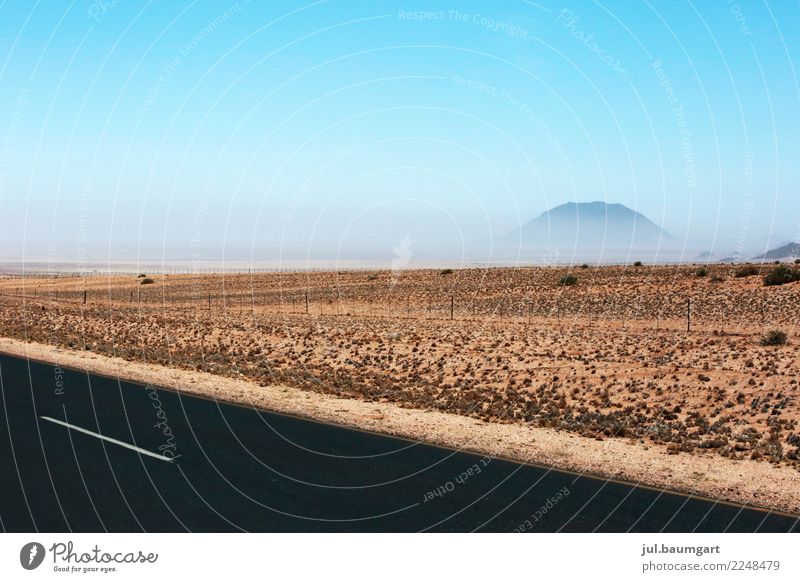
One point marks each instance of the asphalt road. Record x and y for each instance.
(240, 469)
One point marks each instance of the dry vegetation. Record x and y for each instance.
(608, 355)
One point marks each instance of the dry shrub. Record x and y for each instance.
(774, 337)
(746, 271)
(781, 275)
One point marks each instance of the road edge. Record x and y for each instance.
(758, 485)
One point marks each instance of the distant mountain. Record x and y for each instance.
(788, 251)
(593, 226)
(735, 257)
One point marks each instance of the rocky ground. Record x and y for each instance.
(606, 357)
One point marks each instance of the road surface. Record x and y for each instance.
(85, 453)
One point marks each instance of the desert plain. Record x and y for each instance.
(660, 375)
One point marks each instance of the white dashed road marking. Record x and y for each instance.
(109, 439)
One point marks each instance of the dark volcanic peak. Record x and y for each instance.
(593, 225)
(788, 251)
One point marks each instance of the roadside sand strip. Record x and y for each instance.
(747, 482)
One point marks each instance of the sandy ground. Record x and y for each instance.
(608, 359)
(747, 482)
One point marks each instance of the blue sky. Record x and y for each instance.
(249, 127)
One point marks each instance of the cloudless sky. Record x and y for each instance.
(248, 127)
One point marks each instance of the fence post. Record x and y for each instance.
(452, 304)
(689, 315)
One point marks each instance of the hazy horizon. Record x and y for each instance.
(325, 130)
